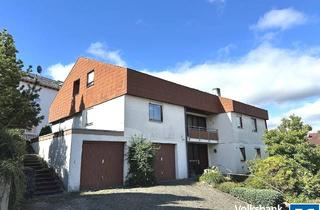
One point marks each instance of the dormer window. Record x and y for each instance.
(90, 78)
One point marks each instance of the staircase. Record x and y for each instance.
(44, 180)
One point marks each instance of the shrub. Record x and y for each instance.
(312, 186)
(257, 197)
(212, 176)
(227, 186)
(141, 157)
(45, 130)
(280, 172)
(256, 183)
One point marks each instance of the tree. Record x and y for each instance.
(18, 106)
(293, 165)
(19, 110)
(290, 140)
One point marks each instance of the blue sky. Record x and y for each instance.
(266, 53)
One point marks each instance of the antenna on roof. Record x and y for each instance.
(216, 91)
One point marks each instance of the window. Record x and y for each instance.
(76, 87)
(258, 153)
(239, 121)
(254, 125)
(265, 124)
(155, 112)
(90, 78)
(89, 117)
(243, 154)
(197, 122)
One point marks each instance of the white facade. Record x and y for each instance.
(46, 96)
(130, 115)
(226, 154)
(170, 131)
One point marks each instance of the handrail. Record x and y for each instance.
(202, 133)
(203, 129)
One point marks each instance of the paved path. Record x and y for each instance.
(178, 195)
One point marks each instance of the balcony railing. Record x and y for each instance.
(202, 133)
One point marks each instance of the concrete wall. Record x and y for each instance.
(46, 96)
(105, 116)
(226, 154)
(171, 130)
(56, 152)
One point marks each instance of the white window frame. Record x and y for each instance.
(254, 124)
(90, 78)
(239, 121)
(152, 115)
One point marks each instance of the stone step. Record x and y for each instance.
(47, 192)
(47, 187)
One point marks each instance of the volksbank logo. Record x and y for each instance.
(294, 206)
(304, 206)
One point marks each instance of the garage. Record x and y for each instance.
(101, 164)
(164, 165)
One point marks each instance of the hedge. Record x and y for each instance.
(258, 197)
(227, 186)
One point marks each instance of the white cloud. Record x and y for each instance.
(265, 76)
(310, 113)
(98, 49)
(59, 71)
(280, 19)
(224, 51)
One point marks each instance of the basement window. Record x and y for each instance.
(155, 112)
(254, 125)
(90, 78)
(76, 87)
(243, 154)
(239, 121)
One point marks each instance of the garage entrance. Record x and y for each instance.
(197, 158)
(101, 164)
(164, 165)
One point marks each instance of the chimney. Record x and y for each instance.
(216, 91)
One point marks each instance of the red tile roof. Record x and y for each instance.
(113, 81)
(314, 138)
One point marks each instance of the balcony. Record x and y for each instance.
(202, 135)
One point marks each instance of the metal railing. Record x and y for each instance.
(202, 133)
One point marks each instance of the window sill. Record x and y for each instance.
(157, 121)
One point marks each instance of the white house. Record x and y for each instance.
(100, 107)
(49, 90)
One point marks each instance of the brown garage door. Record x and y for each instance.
(101, 165)
(164, 165)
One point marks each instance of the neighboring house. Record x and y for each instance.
(100, 107)
(314, 138)
(49, 90)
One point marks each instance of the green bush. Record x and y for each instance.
(257, 197)
(227, 186)
(45, 130)
(141, 156)
(212, 176)
(280, 172)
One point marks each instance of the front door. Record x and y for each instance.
(197, 158)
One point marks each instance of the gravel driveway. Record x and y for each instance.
(178, 195)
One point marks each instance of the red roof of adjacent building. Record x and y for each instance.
(314, 138)
(112, 81)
